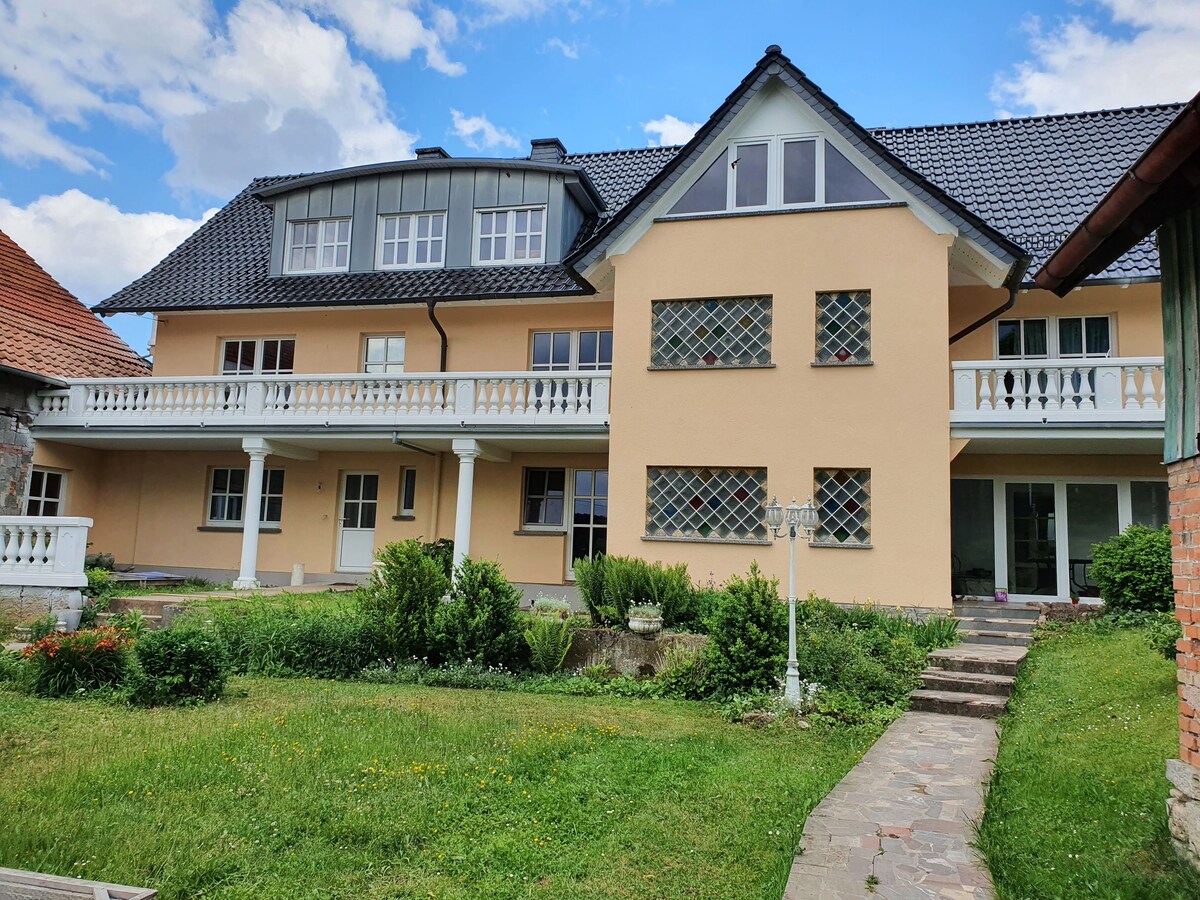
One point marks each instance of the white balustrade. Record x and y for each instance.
(470, 398)
(1059, 390)
(46, 551)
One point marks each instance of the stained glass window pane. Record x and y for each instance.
(844, 498)
(726, 332)
(844, 327)
(700, 503)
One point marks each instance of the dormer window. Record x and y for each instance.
(504, 236)
(780, 172)
(415, 241)
(322, 245)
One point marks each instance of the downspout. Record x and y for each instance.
(441, 331)
(1013, 283)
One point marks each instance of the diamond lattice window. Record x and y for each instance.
(706, 503)
(844, 498)
(695, 334)
(844, 327)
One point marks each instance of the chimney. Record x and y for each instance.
(549, 150)
(432, 153)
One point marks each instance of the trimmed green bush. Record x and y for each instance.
(62, 664)
(402, 598)
(1133, 570)
(441, 551)
(178, 666)
(747, 640)
(480, 623)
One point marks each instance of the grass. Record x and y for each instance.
(304, 789)
(1077, 802)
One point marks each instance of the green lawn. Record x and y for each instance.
(1077, 803)
(304, 789)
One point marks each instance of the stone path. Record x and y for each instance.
(898, 824)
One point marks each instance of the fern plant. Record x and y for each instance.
(549, 641)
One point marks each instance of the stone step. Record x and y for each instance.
(990, 659)
(153, 622)
(955, 703)
(978, 623)
(1000, 638)
(936, 679)
(992, 609)
(150, 604)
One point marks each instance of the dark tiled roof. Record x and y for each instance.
(617, 175)
(1035, 179)
(225, 265)
(45, 331)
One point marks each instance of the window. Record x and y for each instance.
(1068, 336)
(383, 354)
(46, 493)
(258, 356)
(844, 498)
(778, 172)
(227, 497)
(709, 504)
(718, 333)
(545, 495)
(408, 491)
(510, 236)
(320, 246)
(1150, 503)
(412, 241)
(565, 351)
(844, 327)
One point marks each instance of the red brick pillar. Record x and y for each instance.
(1183, 807)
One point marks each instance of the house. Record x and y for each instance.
(632, 351)
(46, 337)
(1161, 191)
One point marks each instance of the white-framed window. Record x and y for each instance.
(1055, 337)
(320, 245)
(408, 491)
(227, 496)
(544, 499)
(47, 491)
(778, 172)
(383, 353)
(566, 351)
(510, 235)
(258, 356)
(412, 241)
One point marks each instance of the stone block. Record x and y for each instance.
(630, 654)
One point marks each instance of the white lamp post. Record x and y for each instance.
(796, 518)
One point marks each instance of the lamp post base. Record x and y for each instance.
(791, 684)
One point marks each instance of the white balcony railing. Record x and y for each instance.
(518, 398)
(43, 551)
(1059, 390)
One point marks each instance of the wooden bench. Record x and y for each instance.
(18, 885)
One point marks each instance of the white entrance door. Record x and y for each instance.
(356, 531)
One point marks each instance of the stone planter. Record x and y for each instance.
(645, 625)
(68, 619)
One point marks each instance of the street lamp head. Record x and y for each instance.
(774, 515)
(809, 516)
(792, 514)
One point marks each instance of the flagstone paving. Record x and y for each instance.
(898, 825)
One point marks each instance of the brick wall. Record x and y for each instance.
(1184, 773)
(16, 443)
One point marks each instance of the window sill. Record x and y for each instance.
(842, 365)
(404, 518)
(706, 368)
(533, 532)
(262, 529)
(828, 545)
(703, 540)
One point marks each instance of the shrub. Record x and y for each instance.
(402, 597)
(612, 585)
(670, 589)
(1162, 633)
(100, 583)
(103, 561)
(480, 623)
(590, 579)
(701, 606)
(1133, 569)
(43, 626)
(681, 672)
(133, 623)
(747, 642)
(626, 584)
(555, 607)
(61, 663)
(10, 667)
(548, 640)
(178, 665)
(441, 551)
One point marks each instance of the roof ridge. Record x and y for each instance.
(1045, 116)
(626, 150)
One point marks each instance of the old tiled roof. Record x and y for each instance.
(1031, 180)
(45, 331)
(1034, 179)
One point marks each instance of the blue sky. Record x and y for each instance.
(124, 122)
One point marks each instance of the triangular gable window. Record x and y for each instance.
(778, 173)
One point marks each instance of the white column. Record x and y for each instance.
(251, 514)
(467, 452)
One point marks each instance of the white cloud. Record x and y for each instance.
(493, 12)
(480, 134)
(670, 130)
(1078, 65)
(25, 138)
(570, 51)
(89, 245)
(394, 31)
